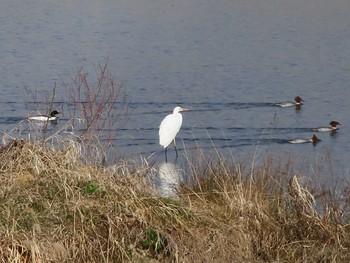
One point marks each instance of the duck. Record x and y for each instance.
(44, 118)
(333, 127)
(297, 102)
(314, 140)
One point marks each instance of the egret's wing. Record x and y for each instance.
(168, 129)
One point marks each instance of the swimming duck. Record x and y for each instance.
(297, 102)
(44, 118)
(314, 140)
(333, 127)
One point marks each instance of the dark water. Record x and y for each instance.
(226, 60)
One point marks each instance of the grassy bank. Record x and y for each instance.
(56, 208)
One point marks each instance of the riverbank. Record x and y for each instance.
(57, 208)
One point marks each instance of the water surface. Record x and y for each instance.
(228, 61)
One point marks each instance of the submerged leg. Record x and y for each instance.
(175, 148)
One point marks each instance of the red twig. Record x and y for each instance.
(100, 105)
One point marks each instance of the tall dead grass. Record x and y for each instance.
(281, 218)
(56, 208)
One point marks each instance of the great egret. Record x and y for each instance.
(45, 118)
(333, 127)
(169, 127)
(298, 101)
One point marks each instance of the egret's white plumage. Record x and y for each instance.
(169, 127)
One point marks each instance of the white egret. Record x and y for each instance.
(169, 127)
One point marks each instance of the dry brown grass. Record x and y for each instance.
(54, 208)
(280, 219)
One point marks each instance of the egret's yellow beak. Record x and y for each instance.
(184, 109)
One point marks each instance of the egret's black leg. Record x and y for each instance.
(175, 148)
(166, 156)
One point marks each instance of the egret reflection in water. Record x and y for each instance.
(168, 179)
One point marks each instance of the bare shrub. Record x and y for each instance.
(98, 109)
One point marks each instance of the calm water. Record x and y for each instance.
(226, 60)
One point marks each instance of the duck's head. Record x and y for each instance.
(298, 99)
(334, 124)
(54, 113)
(315, 139)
